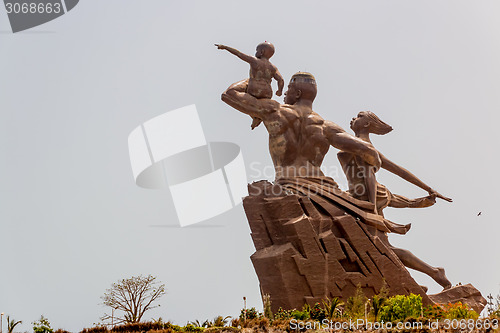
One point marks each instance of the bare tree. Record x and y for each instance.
(133, 297)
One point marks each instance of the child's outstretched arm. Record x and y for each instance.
(281, 83)
(408, 176)
(241, 55)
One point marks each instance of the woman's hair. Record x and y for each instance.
(377, 126)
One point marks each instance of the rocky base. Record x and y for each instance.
(306, 254)
(467, 294)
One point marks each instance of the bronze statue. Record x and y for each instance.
(298, 137)
(262, 71)
(314, 241)
(364, 186)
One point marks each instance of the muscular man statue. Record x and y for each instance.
(298, 142)
(298, 137)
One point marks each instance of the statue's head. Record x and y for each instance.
(367, 121)
(265, 50)
(302, 86)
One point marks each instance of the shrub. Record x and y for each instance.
(42, 325)
(283, 314)
(434, 312)
(493, 306)
(459, 311)
(139, 327)
(222, 330)
(317, 312)
(299, 315)
(236, 322)
(192, 328)
(400, 307)
(157, 325)
(95, 329)
(249, 314)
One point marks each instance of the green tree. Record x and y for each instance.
(133, 297)
(11, 324)
(379, 300)
(355, 306)
(42, 325)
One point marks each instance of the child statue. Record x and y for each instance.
(262, 71)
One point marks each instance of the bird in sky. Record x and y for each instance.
(479, 213)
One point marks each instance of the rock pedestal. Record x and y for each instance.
(305, 254)
(467, 294)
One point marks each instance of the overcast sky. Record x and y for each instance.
(72, 220)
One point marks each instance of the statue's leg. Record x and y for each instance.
(256, 122)
(240, 86)
(411, 261)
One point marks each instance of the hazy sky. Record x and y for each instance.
(72, 221)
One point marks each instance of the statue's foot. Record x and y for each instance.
(255, 122)
(440, 277)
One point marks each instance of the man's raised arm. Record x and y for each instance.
(338, 138)
(237, 97)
